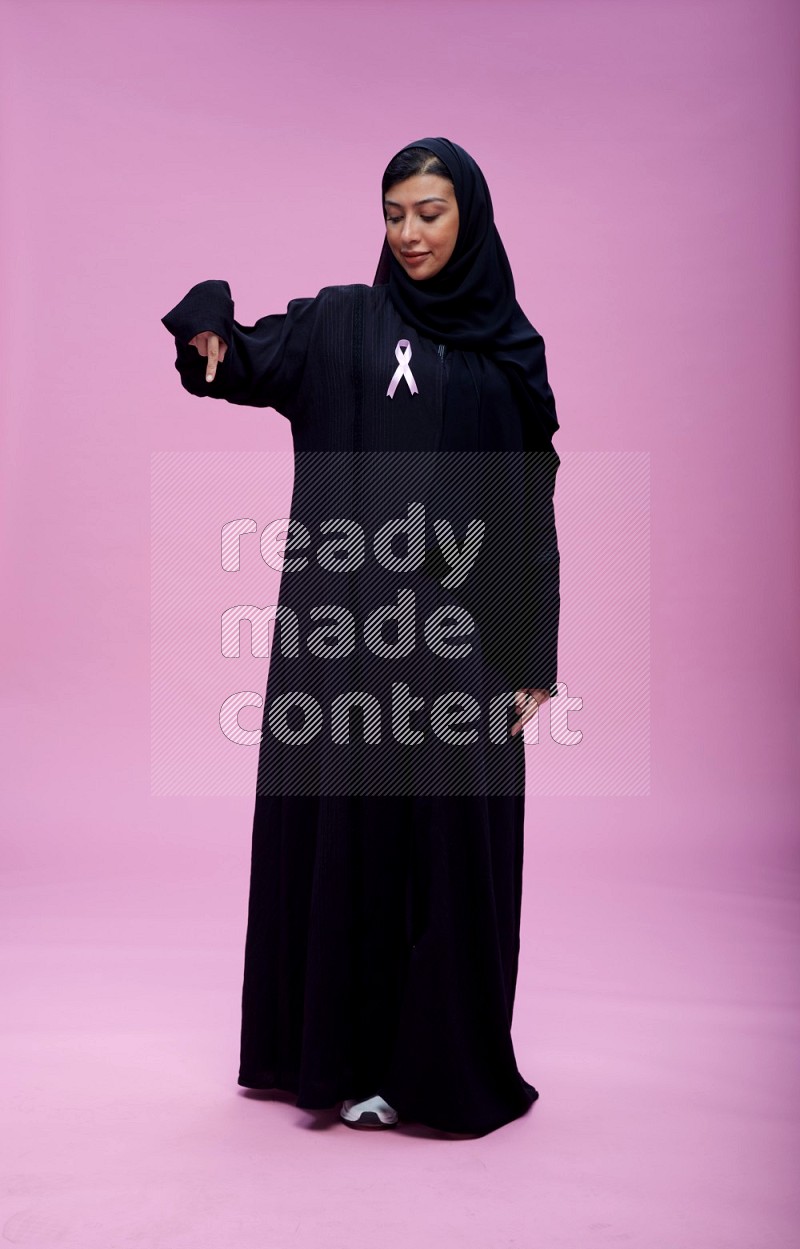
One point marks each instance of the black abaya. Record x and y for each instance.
(383, 929)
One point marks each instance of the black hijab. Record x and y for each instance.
(471, 303)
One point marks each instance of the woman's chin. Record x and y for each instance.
(421, 277)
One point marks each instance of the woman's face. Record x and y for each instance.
(421, 223)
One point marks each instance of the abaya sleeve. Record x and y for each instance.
(541, 584)
(264, 363)
(515, 594)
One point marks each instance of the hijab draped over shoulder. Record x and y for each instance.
(471, 304)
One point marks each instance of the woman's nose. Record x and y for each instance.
(409, 232)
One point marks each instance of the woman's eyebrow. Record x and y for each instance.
(431, 199)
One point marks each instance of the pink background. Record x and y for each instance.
(642, 161)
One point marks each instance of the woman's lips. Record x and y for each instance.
(413, 260)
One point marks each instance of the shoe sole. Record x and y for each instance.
(368, 1119)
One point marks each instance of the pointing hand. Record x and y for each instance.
(212, 346)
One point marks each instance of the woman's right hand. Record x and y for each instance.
(212, 346)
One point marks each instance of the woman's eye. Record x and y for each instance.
(393, 220)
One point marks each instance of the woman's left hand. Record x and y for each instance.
(528, 703)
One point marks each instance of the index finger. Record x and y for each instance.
(213, 357)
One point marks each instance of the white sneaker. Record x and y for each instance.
(374, 1112)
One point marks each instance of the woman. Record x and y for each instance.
(384, 909)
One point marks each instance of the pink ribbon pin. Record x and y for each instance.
(403, 369)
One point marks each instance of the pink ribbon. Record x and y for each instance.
(403, 369)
